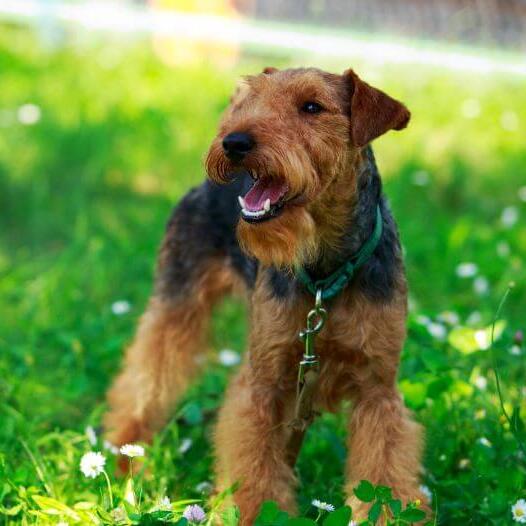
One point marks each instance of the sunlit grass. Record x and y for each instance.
(84, 196)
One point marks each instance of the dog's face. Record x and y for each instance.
(295, 132)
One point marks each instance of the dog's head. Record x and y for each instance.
(295, 132)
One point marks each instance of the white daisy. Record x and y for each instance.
(229, 358)
(518, 511)
(92, 436)
(325, 506)
(120, 307)
(466, 270)
(132, 450)
(92, 464)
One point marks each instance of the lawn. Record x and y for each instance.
(98, 140)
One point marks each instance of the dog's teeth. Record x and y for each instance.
(241, 201)
(266, 206)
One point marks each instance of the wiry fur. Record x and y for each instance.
(331, 172)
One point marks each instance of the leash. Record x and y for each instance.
(309, 366)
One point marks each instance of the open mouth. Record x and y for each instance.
(265, 200)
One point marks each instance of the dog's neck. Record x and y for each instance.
(356, 205)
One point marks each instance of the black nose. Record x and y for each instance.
(237, 145)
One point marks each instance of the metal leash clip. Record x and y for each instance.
(315, 322)
(309, 366)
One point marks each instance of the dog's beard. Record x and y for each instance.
(287, 241)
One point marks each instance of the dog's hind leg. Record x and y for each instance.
(193, 274)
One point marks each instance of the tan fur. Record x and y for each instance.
(360, 345)
(163, 358)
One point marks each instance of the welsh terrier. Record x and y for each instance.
(303, 196)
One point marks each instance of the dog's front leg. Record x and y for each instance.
(385, 446)
(250, 445)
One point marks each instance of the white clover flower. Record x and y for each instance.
(474, 318)
(463, 463)
(229, 358)
(28, 114)
(518, 511)
(509, 121)
(325, 506)
(515, 350)
(509, 216)
(480, 285)
(421, 178)
(450, 317)
(483, 339)
(466, 270)
(437, 330)
(110, 447)
(92, 436)
(186, 444)
(484, 442)
(480, 414)
(422, 319)
(132, 450)
(522, 193)
(481, 382)
(426, 492)
(204, 487)
(470, 108)
(120, 307)
(118, 515)
(503, 249)
(163, 504)
(194, 513)
(92, 464)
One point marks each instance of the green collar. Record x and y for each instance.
(338, 280)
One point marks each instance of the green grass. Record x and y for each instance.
(85, 193)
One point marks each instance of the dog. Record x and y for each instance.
(292, 189)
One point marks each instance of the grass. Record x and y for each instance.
(84, 195)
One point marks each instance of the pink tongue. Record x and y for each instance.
(263, 190)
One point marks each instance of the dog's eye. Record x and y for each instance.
(311, 107)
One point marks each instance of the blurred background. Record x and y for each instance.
(106, 111)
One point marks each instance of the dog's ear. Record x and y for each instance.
(269, 70)
(373, 112)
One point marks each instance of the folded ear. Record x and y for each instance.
(269, 70)
(373, 112)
